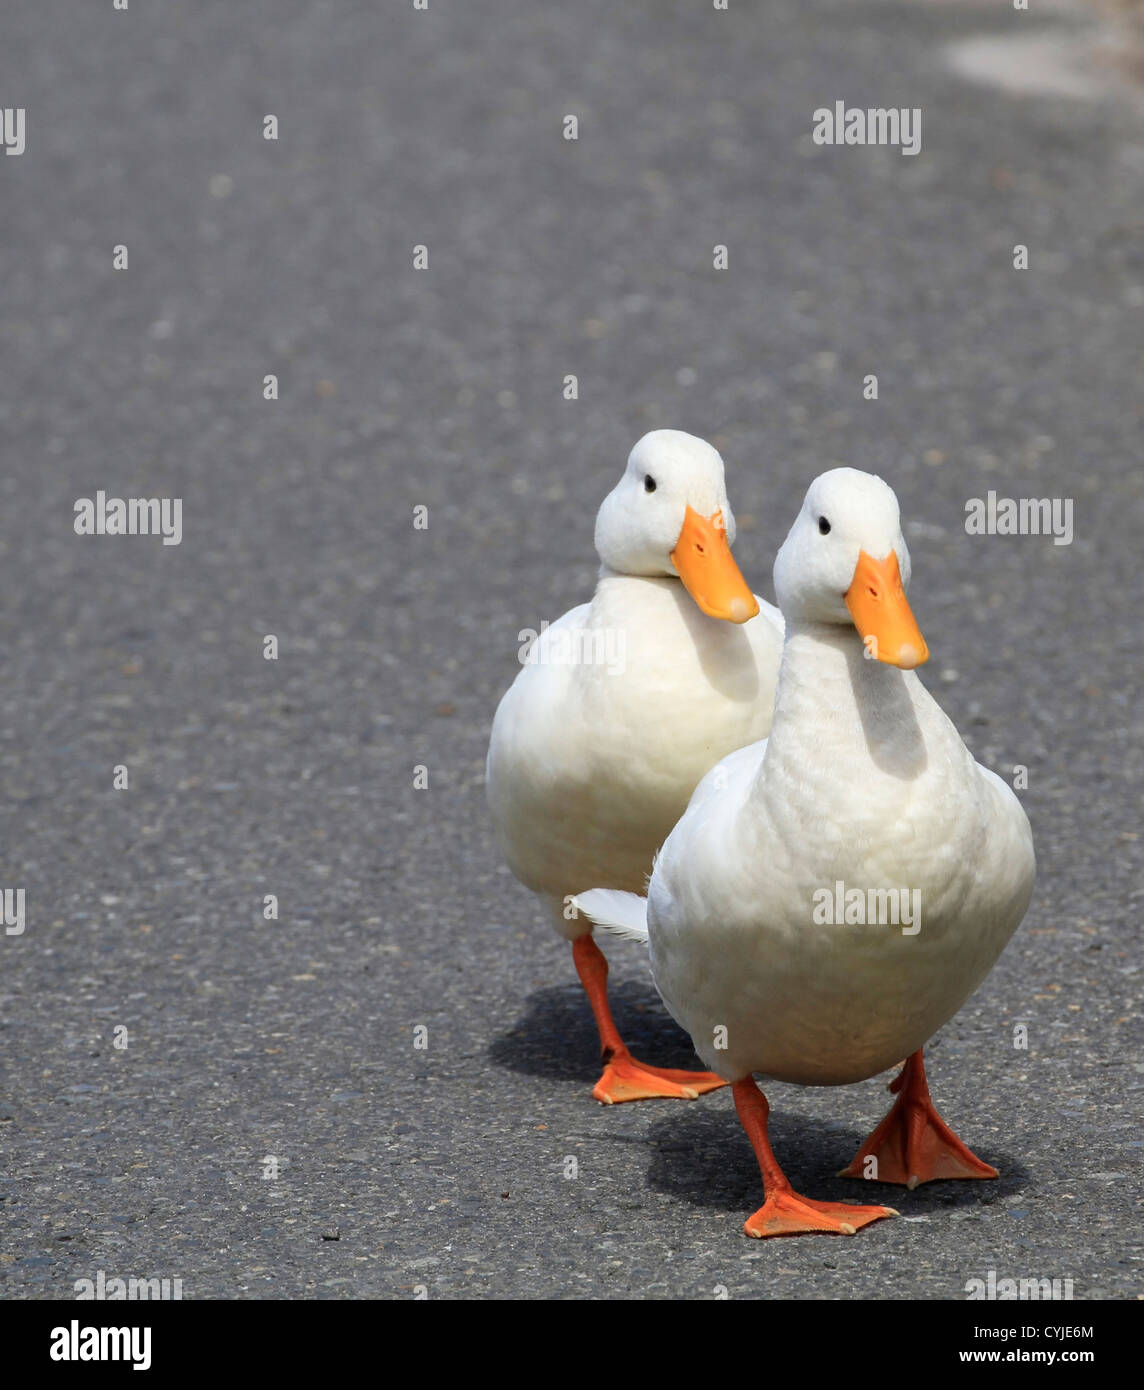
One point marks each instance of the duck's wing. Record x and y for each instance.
(731, 779)
(1010, 866)
(532, 705)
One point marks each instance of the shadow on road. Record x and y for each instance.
(556, 1038)
(701, 1155)
(697, 1151)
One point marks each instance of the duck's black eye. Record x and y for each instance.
(824, 526)
(649, 483)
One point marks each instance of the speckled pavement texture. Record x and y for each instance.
(288, 1045)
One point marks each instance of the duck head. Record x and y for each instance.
(845, 562)
(669, 515)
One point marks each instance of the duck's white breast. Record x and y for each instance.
(592, 760)
(745, 948)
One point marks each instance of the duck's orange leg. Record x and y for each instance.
(624, 1078)
(785, 1212)
(913, 1144)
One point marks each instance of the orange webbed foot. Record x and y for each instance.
(789, 1214)
(913, 1144)
(626, 1079)
(786, 1212)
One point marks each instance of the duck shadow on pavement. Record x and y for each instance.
(556, 1037)
(697, 1150)
(701, 1155)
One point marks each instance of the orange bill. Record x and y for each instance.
(708, 570)
(877, 603)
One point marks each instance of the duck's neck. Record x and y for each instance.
(836, 707)
(607, 573)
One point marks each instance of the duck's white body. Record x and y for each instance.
(624, 704)
(864, 782)
(600, 740)
(775, 912)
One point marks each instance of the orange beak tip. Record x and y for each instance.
(882, 615)
(710, 575)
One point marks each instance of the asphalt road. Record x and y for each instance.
(253, 1045)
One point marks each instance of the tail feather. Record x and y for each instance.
(622, 915)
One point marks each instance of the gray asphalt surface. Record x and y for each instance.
(293, 1039)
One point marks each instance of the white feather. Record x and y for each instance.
(622, 915)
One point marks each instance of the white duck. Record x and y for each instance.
(623, 705)
(763, 910)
